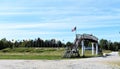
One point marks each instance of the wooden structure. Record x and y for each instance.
(74, 50)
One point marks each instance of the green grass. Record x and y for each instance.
(107, 51)
(32, 53)
(37, 53)
(29, 50)
(49, 57)
(88, 53)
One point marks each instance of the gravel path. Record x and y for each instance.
(87, 63)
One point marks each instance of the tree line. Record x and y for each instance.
(108, 45)
(4, 43)
(103, 45)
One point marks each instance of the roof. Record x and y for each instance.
(87, 37)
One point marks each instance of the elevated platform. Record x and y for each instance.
(73, 51)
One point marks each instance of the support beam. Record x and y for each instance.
(96, 48)
(82, 47)
(77, 43)
(92, 48)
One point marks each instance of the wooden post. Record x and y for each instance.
(96, 48)
(92, 48)
(82, 47)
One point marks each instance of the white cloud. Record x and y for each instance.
(57, 17)
(56, 25)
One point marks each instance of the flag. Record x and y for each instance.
(74, 29)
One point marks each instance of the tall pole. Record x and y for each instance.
(75, 31)
(96, 48)
(82, 43)
(92, 48)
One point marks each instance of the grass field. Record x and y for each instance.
(37, 53)
(32, 53)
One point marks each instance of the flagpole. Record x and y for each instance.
(76, 32)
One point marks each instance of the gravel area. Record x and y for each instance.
(87, 63)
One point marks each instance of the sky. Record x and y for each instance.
(47, 19)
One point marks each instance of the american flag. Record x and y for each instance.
(74, 29)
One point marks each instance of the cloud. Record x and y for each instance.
(52, 18)
(55, 26)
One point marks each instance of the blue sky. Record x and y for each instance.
(47, 19)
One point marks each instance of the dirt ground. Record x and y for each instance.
(87, 63)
